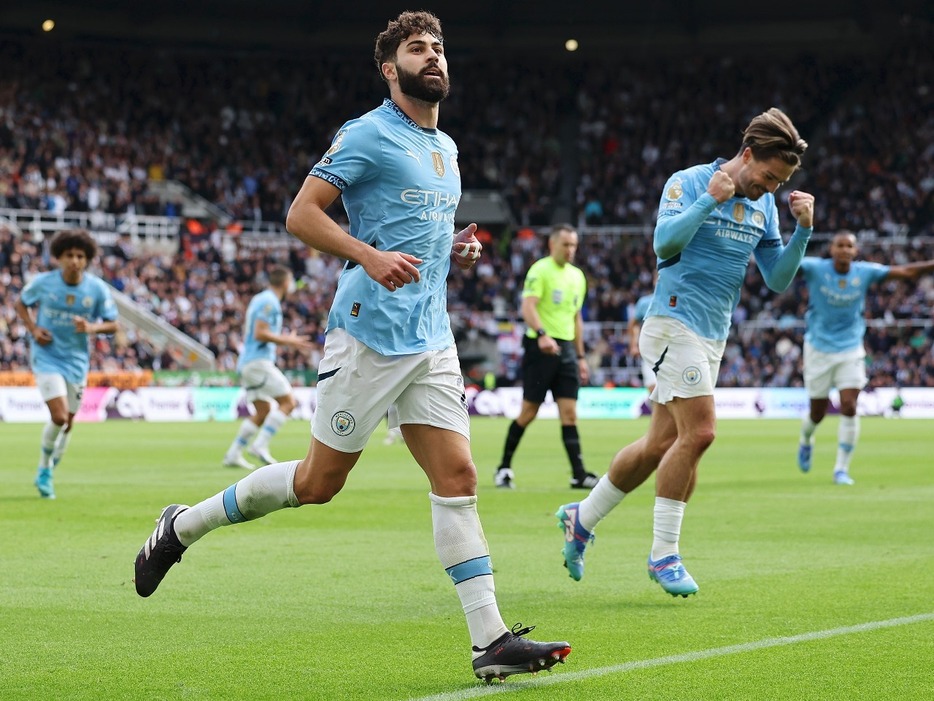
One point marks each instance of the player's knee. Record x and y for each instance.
(311, 488)
(701, 438)
(287, 404)
(848, 408)
(314, 492)
(459, 480)
(59, 418)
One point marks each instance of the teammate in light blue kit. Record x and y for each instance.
(834, 355)
(389, 341)
(262, 381)
(634, 328)
(711, 218)
(72, 305)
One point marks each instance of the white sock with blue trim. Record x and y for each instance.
(465, 556)
(274, 421)
(847, 436)
(261, 492)
(61, 443)
(245, 434)
(47, 443)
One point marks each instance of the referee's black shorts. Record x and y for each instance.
(542, 372)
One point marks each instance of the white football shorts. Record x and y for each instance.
(648, 374)
(685, 365)
(357, 385)
(823, 371)
(52, 386)
(263, 381)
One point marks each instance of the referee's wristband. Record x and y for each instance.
(541, 332)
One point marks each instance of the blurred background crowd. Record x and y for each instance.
(93, 128)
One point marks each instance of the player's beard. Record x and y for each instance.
(420, 87)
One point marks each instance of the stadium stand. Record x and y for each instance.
(92, 129)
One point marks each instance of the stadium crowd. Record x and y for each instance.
(203, 292)
(87, 127)
(84, 127)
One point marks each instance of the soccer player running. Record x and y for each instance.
(73, 304)
(834, 355)
(389, 341)
(262, 381)
(553, 358)
(711, 218)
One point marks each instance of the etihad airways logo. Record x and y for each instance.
(429, 198)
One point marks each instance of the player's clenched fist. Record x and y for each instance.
(466, 249)
(802, 207)
(721, 186)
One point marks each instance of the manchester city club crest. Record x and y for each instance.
(343, 423)
(691, 375)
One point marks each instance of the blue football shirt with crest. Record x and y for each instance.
(837, 302)
(400, 186)
(59, 303)
(700, 286)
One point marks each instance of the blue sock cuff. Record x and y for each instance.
(477, 567)
(230, 505)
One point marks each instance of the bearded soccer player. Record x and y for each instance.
(388, 342)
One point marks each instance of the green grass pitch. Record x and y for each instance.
(807, 590)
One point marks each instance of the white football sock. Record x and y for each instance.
(465, 556)
(61, 443)
(847, 437)
(247, 430)
(601, 501)
(667, 527)
(807, 430)
(47, 443)
(261, 492)
(270, 428)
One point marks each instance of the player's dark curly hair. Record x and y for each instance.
(400, 29)
(772, 135)
(73, 238)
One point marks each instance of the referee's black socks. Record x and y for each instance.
(572, 444)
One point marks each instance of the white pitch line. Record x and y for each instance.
(565, 677)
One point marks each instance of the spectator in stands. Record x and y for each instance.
(72, 306)
(834, 354)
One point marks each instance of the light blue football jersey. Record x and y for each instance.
(59, 303)
(263, 307)
(836, 303)
(641, 308)
(400, 185)
(700, 284)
